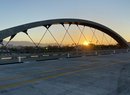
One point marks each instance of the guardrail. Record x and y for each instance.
(11, 59)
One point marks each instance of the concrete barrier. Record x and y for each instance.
(4, 59)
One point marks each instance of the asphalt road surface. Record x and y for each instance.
(88, 75)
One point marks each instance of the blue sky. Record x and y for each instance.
(112, 13)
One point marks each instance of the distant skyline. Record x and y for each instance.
(114, 14)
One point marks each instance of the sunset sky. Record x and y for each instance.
(114, 14)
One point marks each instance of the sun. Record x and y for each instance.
(86, 43)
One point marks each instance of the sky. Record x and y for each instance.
(114, 14)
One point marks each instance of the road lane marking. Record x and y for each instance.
(17, 84)
(42, 72)
(13, 85)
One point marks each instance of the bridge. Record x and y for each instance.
(92, 66)
(96, 29)
(23, 28)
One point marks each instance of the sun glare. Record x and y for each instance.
(86, 43)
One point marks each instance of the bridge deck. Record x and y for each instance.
(92, 75)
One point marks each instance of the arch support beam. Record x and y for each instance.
(14, 30)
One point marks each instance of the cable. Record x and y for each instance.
(42, 37)
(102, 38)
(31, 39)
(10, 39)
(69, 35)
(106, 40)
(64, 35)
(95, 35)
(53, 37)
(81, 31)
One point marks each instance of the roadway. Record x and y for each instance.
(87, 75)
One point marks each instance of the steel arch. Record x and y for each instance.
(21, 28)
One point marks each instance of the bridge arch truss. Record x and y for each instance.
(47, 23)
